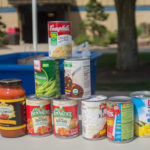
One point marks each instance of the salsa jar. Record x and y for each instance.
(12, 108)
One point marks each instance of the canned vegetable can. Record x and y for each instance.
(47, 77)
(120, 119)
(94, 117)
(60, 39)
(77, 78)
(38, 116)
(65, 118)
(141, 100)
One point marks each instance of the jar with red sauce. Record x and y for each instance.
(12, 108)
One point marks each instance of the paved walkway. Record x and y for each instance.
(44, 47)
(113, 93)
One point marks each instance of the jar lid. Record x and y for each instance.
(10, 81)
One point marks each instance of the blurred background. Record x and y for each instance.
(120, 30)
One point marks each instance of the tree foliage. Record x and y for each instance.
(95, 14)
(2, 32)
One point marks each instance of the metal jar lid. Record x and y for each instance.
(10, 82)
(120, 99)
(140, 94)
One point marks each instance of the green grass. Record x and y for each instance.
(108, 60)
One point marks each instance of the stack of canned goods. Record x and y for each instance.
(101, 117)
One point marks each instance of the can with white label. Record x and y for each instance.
(94, 117)
(77, 78)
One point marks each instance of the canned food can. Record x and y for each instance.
(141, 100)
(77, 78)
(94, 117)
(60, 39)
(38, 116)
(65, 118)
(47, 77)
(120, 119)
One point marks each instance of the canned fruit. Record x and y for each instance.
(47, 74)
(60, 39)
(65, 118)
(120, 121)
(38, 117)
(77, 78)
(141, 100)
(94, 118)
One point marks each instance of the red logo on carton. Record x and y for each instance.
(149, 102)
(37, 65)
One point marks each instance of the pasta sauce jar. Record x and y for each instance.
(12, 108)
(65, 118)
(38, 116)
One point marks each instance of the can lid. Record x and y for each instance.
(34, 98)
(96, 98)
(62, 98)
(77, 58)
(10, 81)
(120, 99)
(45, 58)
(141, 94)
(59, 21)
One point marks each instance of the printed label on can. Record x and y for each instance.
(12, 114)
(65, 120)
(77, 79)
(39, 119)
(142, 116)
(93, 120)
(120, 122)
(60, 39)
(47, 78)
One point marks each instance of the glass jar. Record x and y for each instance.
(12, 108)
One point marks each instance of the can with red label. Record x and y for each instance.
(65, 118)
(120, 119)
(38, 116)
(60, 39)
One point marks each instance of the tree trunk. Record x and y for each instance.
(127, 56)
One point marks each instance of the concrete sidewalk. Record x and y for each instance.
(113, 93)
(44, 47)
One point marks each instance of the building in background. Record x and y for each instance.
(17, 13)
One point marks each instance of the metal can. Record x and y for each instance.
(38, 116)
(77, 78)
(120, 119)
(65, 118)
(94, 117)
(141, 100)
(47, 77)
(60, 39)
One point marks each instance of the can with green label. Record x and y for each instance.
(120, 119)
(47, 77)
